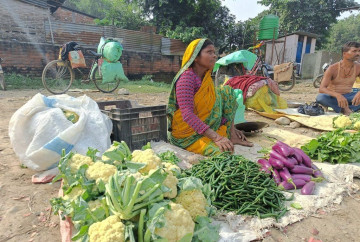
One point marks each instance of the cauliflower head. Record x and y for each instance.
(171, 182)
(109, 230)
(178, 223)
(171, 168)
(342, 121)
(78, 160)
(357, 125)
(193, 201)
(100, 171)
(94, 204)
(147, 157)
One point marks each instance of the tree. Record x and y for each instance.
(188, 19)
(121, 13)
(343, 31)
(314, 16)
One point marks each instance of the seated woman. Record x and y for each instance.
(200, 115)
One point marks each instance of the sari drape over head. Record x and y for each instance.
(210, 105)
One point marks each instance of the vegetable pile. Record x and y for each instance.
(291, 169)
(240, 186)
(125, 196)
(335, 147)
(347, 122)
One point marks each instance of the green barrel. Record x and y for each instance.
(266, 28)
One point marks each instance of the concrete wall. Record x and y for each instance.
(312, 63)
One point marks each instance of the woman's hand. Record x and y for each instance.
(224, 144)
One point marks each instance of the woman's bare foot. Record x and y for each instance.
(238, 138)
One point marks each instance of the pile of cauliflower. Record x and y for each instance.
(347, 122)
(173, 217)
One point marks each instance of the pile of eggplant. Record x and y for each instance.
(291, 169)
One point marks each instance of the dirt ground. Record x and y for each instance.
(25, 213)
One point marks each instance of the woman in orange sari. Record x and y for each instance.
(200, 115)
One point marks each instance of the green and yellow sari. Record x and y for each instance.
(210, 105)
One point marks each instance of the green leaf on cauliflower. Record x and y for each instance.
(205, 231)
(169, 156)
(190, 183)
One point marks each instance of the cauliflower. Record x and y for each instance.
(109, 230)
(147, 157)
(171, 167)
(78, 160)
(94, 204)
(193, 201)
(171, 182)
(75, 192)
(100, 171)
(104, 157)
(342, 122)
(178, 223)
(357, 125)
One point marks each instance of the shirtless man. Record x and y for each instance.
(336, 87)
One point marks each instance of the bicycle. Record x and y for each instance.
(58, 76)
(2, 78)
(264, 69)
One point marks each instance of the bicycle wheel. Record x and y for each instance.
(57, 76)
(2, 81)
(103, 87)
(317, 81)
(287, 85)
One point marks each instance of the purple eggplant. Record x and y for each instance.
(289, 163)
(298, 183)
(283, 149)
(304, 177)
(286, 176)
(305, 158)
(317, 171)
(277, 164)
(293, 160)
(298, 157)
(265, 166)
(277, 156)
(308, 188)
(298, 169)
(276, 176)
(265, 170)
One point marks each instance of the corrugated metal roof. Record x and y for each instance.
(53, 4)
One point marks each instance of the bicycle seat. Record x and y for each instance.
(94, 53)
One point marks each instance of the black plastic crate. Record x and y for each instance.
(136, 126)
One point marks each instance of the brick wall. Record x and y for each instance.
(30, 59)
(22, 21)
(66, 15)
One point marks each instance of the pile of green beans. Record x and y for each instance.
(240, 186)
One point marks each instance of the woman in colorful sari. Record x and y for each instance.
(200, 115)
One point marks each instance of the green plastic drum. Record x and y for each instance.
(266, 28)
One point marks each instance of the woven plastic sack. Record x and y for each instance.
(112, 71)
(77, 59)
(283, 72)
(111, 49)
(265, 100)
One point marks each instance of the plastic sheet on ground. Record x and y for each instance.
(339, 183)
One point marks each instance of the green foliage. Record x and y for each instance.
(313, 16)
(343, 31)
(334, 147)
(121, 13)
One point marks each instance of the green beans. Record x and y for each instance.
(240, 186)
